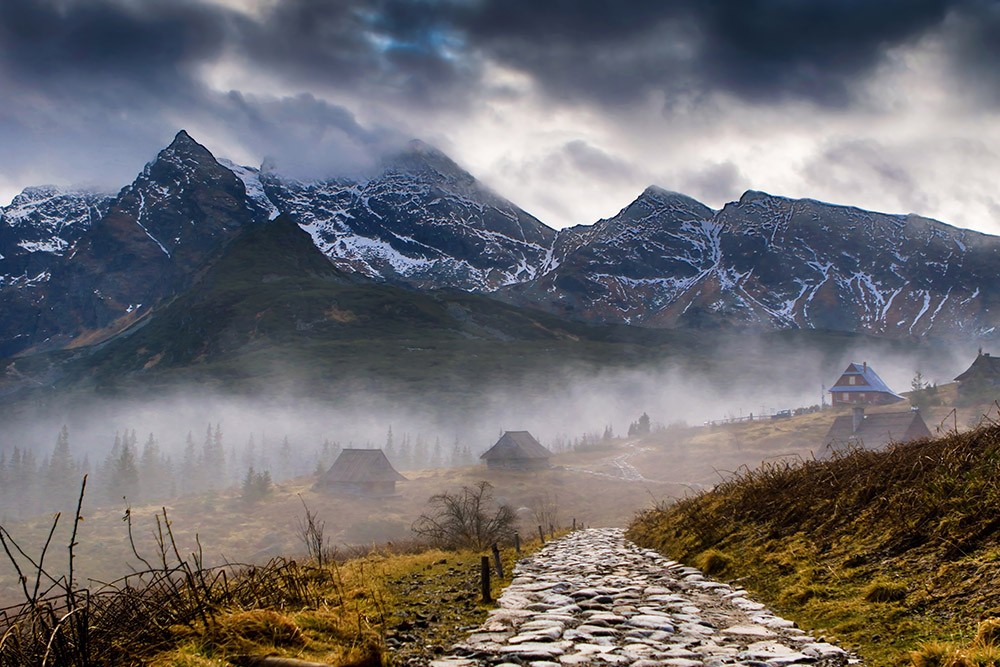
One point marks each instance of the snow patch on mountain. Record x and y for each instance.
(255, 189)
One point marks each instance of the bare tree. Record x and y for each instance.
(545, 509)
(310, 531)
(470, 518)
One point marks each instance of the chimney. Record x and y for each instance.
(864, 367)
(859, 417)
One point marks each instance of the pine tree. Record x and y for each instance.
(256, 485)
(189, 467)
(124, 482)
(153, 472)
(213, 458)
(60, 473)
(286, 460)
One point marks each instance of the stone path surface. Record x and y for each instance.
(593, 598)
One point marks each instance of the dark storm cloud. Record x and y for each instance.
(757, 49)
(975, 34)
(429, 51)
(68, 46)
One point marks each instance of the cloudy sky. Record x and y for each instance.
(568, 107)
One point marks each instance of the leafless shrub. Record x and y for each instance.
(124, 621)
(470, 518)
(545, 509)
(310, 531)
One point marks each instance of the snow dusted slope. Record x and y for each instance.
(152, 240)
(423, 221)
(802, 263)
(40, 226)
(630, 266)
(255, 189)
(767, 263)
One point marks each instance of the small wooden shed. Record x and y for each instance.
(517, 450)
(360, 472)
(875, 431)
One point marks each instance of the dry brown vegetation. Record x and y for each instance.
(177, 611)
(883, 550)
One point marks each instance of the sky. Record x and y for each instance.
(569, 108)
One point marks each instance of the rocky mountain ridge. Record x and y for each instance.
(76, 267)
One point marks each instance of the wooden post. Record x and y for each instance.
(541, 535)
(517, 544)
(574, 524)
(497, 560)
(485, 572)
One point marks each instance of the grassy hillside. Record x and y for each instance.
(884, 551)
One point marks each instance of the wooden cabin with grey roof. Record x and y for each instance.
(517, 450)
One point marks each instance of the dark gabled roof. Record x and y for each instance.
(873, 383)
(516, 445)
(985, 366)
(877, 429)
(362, 465)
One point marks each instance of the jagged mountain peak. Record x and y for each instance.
(658, 198)
(183, 140)
(424, 161)
(184, 154)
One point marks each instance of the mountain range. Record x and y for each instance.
(78, 268)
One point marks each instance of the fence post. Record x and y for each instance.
(485, 574)
(541, 535)
(497, 560)
(517, 544)
(574, 524)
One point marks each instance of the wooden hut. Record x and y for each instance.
(517, 450)
(875, 431)
(361, 472)
(861, 385)
(981, 380)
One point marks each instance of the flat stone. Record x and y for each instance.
(650, 621)
(748, 631)
(538, 649)
(681, 662)
(822, 650)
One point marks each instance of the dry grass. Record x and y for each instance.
(884, 550)
(180, 612)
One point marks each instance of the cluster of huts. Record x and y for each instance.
(367, 472)
(860, 386)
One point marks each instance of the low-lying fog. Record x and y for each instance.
(153, 449)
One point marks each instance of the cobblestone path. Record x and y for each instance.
(593, 598)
